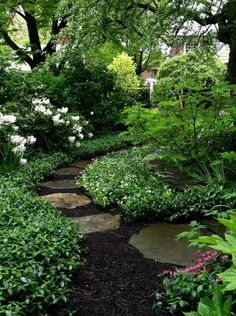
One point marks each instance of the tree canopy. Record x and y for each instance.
(140, 25)
(36, 16)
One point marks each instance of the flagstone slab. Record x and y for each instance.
(81, 164)
(158, 242)
(98, 223)
(67, 200)
(59, 185)
(69, 171)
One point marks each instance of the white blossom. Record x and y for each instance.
(7, 119)
(77, 128)
(92, 113)
(19, 150)
(23, 161)
(42, 109)
(57, 119)
(77, 144)
(90, 135)
(63, 110)
(81, 136)
(44, 101)
(31, 140)
(75, 118)
(71, 139)
(17, 140)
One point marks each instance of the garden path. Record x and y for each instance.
(117, 279)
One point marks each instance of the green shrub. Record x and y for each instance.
(190, 126)
(39, 248)
(13, 84)
(82, 87)
(200, 66)
(195, 200)
(125, 72)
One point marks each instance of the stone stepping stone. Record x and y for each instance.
(59, 185)
(81, 164)
(158, 242)
(98, 223)
(67, 200)
(69, 171)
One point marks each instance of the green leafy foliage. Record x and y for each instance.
(216, 306)
(184, 287)
(225, 245)
(124, 69)
(197, 65)
(190, 125)
(124, 178)
(39, 248)
(83, 87)
(99, 145)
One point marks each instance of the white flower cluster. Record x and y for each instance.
(59, 118)
(20, 144)
(42, 106)
(7, 119)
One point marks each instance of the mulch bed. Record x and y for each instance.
(116, 280)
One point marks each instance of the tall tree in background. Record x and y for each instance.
(139, 24)
(36, 15)
(150, 21)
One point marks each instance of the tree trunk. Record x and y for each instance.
(232, 59)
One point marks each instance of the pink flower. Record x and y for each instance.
(224, 258)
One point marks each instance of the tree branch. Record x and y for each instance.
(146, 6)
(32, 31)
(56, 28)
(209, 19)
(21, 53)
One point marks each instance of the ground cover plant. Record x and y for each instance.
(124, 178)
(39, 248)
(99, 145)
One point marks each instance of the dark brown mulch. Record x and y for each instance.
(116, 280)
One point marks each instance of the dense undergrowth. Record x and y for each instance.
(124, 178)
(39, 248)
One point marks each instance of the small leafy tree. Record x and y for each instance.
(198, 65)
(125, 72)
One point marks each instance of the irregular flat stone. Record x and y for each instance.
(98, 223)
(172, 175)
(81, 163)
(60, 185)
(67, 200)
(68, 171)
(158, 242)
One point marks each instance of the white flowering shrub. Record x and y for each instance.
(12, 145)
(55, 128)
